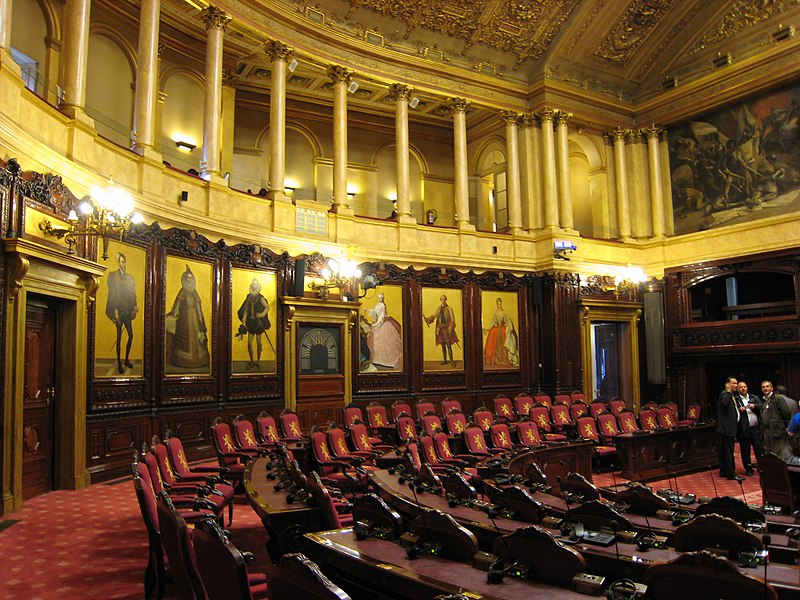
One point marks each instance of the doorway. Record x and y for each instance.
(39, 442)
(606, 360)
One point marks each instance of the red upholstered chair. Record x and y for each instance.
(223, 568)
(176, 540)
(445, 453)
(331, 517)
(422, 407)
(503, 409)
(399, 407)
(578, 409)
(267, 429)
(475, 443)
(650, 406)
(562, 399)
(648, 419)
(245, 437)
(337, 441)
(406, 427)
(431, 423)
(336, 472)
(540, 415)
(692, 415)
(561, 417)
(483, 418)
(350, 413)
(522, 405)
(290, 427)
(617, 406)
(501, 438)
(528, 433)
(456, 422)
(376, 415)
(231, 461)
(627, 421)
(597, 408)
(673, 406)
(666, 418)
(448, 404)
(607, 427)
(544, 399)
(363, 442)
(180, 463)
(605, 455)
(578, 396)
(429, 455)
(295, 577)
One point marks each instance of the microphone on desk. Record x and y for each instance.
(741, 487)
(497, 571)
(421, 545)
(565, 524)
(645, 541)
(713, 481)
(766, 539)
(614, 524)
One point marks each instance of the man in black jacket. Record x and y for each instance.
(729, 412)
(749, 428)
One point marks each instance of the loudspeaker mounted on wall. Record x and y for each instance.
(299, 276)
(654, 336)
(536, 291)
(352, 87)
(184, 197)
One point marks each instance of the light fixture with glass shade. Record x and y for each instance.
(105, 213)
(344, 275)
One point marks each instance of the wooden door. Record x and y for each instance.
(38, 443)
(607, 360)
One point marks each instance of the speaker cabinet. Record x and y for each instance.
(299, 276)
(654, 336)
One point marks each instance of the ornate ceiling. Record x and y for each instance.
(624, 52)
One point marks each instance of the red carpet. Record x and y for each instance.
(92, 543)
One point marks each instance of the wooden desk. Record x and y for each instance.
(655, 455)
(631, 563)
(372, 567)
(286, 523)
(556, 460)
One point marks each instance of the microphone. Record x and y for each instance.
(615, 528)
(421, 545)
(498, 571)
(565, 524)
(713, 481)
(744, 497)
(647, 541)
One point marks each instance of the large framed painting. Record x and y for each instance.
(119, 320)
(499, 318)
(381, 330)
(254, 316)
(737, 164)
(443, 329)
(188, 326)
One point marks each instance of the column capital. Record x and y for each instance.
(510, 117)
(229, 79)
(161, 49)
(214, 18)
(457, 105)
(528, 120)
(634, 136)
(562, 117)
(653, 132)
(546, 114)
(276, 50)
(339, 74)
(399, 91)
(618, 134)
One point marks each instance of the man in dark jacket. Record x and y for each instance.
(775, 416)
(728, 415)
(749, 428)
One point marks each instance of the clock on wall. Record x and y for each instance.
(319, 349)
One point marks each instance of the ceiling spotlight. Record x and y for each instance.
(352, 87)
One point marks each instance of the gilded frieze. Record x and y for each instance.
(638, 21)
(743, 14)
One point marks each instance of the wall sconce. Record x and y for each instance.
(185, 146)
(351, 195)
(105, 213)
(344, 276)
(288, 190)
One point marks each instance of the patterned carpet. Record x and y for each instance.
(91, 543)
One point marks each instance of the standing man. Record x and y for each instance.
(727, 426)
(446, 334)
(775, 416)
(750, 428)
(121, 307)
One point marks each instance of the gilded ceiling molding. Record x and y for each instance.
(277, 51)
(339, 74)
(743, 14)
(584, 26)
(229, 79)
(638, 21)
(399, 91)
(667, 39)
(214, 18)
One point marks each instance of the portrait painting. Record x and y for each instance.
(254, 313)
(443, 329)
(737, 164)
(499, 318)
(188, 323)
(381, 330)
(119, 316)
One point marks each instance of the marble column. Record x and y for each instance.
(401, 94)
(565, 216)
(529, 182)
(458, 107)
(228, 116)
(74, 60)
(511, 120)
(654, 170)
(340, 77)
(621, 181)
(215, 22)
(279, 55)
(146, 77)
(549, 185)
